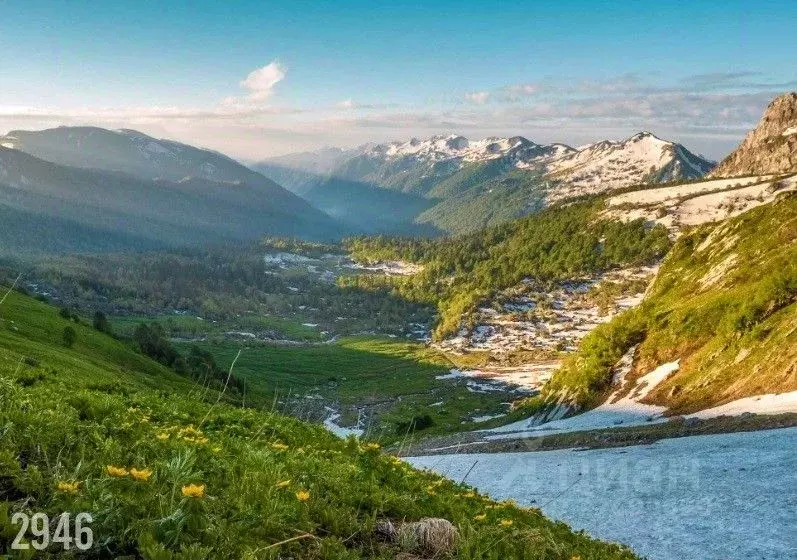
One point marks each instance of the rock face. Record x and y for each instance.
(771, 147)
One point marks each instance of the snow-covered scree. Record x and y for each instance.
(556, 319)
(699, 203)
(549, 321)
(701, 497)
(389, 268)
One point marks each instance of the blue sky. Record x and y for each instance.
(345, 73)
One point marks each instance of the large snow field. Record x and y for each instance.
(717, 497)
(662, 194)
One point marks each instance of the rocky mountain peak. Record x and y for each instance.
(771, 147)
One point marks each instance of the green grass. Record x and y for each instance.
(66, 414)
(392, 378)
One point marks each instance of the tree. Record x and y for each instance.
(101, 323)
(69, 337)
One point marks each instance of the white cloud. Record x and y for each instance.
(346, 104)
(478, 97)
(260, 84)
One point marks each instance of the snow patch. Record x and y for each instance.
(781, 403)
(616, 411)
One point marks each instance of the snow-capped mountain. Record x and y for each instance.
(473, 183)
(606, 165)
(453, 147)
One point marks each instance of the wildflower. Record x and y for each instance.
(194, 490)
(162, 436)
(506, 523)
(216, 449)
(371, 446)
(68, 487)
(302, 495)
(279, 446)
(119, 472)
(470, 494)
(480, 517)
(142, 475)
(283, 484)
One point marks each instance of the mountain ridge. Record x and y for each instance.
(476, 183)
(146, 206)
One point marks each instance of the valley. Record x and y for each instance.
(610, 298)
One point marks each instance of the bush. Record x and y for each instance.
(417, 424)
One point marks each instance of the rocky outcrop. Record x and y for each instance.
(771, 147)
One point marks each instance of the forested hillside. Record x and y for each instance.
(559, 243)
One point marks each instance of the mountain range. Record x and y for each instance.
(85, 188)
(456, 185)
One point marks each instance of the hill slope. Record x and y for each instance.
(724, 305)
(143, 212)
(167, 192)
(168, 474)
(769, 148)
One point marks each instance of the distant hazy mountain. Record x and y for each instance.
(769, 148)
(149, 192)
(471, 184)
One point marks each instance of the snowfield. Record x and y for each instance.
(717, 497)
(698, 203)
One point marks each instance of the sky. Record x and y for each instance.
(256, 79)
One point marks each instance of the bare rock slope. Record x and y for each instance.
(769, 148)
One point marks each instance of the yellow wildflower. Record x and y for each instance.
(162, 436)
(68, 487)
(302, 495)
(116, 471)
(506, 523)
(470, 494)
(279, 446)
(194, 490)
(142, 475)
(371, 446)
(283, 484)
(216, 449)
